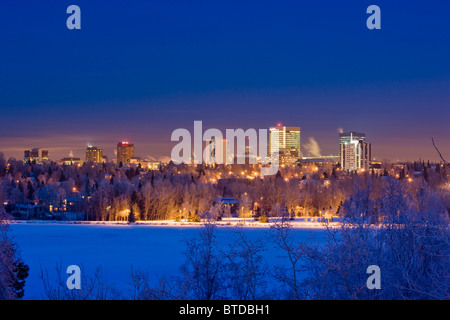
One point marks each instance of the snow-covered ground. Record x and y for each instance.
(298, 222)
(156, 247)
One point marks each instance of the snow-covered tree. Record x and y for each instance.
(13, 271)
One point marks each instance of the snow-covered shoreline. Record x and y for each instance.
(308, 223)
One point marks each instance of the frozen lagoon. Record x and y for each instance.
(157, 249)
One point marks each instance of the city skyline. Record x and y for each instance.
(138, 72)
(80, 151)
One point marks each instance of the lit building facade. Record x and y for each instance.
(284, 141)
(347, 137)
(216, 152)
(94, 154)
(125, 152)
(151, 164)
(249, 156)
(355, 153)
(70, 161)
(35, 155)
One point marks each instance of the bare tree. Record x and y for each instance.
(203, 271)
(294, 251)
(439, 153)
(246, 268)
(94, 287)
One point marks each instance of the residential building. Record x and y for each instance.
(125, 152)
(94, 154)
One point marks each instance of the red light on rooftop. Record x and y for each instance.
(124, 142)
(279, 124)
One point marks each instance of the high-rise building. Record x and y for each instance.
(94, 154)
(285, 141)
(37, 155)
(355, 152)
(250, 155)
(125, 151)
(216, 152)
(347, 137)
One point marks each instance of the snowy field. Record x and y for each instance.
(155, 248)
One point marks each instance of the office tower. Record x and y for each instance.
(125, 151)
(216, 152)
(286, 142)
(250, 155)
(37, 155)
(352, 135)
(347, 137)
(355, 152)
(94, 154)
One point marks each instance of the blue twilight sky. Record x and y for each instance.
(137, 70)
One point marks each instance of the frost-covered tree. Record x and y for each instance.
(411, 247)
(290, 275)
(13, 271)
(245, 206)
(203, 271)
(246, 268)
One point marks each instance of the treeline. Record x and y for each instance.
(108, 192)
